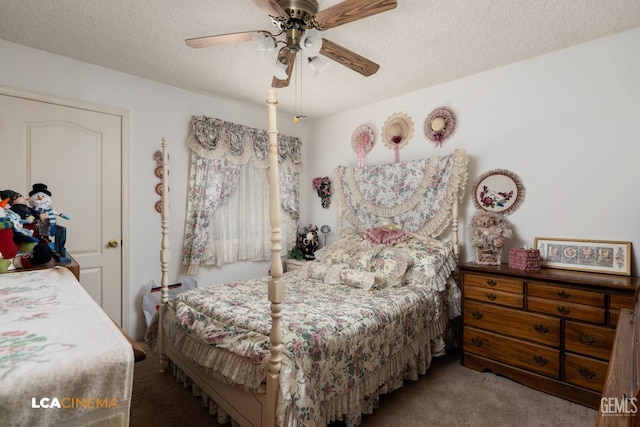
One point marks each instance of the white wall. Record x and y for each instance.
(156, 111)
(567, 123)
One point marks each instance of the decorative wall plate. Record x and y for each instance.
(498, 190)
(362, 141)
(440, 125)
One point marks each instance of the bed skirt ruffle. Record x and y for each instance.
(224, 366)
(363, 398)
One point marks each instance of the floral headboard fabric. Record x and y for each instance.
(415, 195)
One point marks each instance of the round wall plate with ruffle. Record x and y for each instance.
(498, 190)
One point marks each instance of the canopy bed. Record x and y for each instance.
(321, 343)
(62, 360)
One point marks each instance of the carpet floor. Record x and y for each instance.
(448, 395)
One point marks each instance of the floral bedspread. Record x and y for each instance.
(345, 343)
(62, 360)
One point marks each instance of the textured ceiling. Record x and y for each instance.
(419, 44)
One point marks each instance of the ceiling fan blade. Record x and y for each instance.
(220, 39)
(286, 56)
(270, 7)
(351, 10)
(348, 58)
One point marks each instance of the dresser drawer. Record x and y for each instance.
(492, 282)
(566, 294)
(532, 357)
(617, 302)
(585, 372)
(520, 324)
(566, 309)
(614, 314)
(493, 296)
(590, 340)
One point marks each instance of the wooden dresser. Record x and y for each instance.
(552, 329)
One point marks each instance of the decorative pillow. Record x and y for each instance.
(338, 256)
(320, 254)
(333, 274)
(343, 250)
(385, 236)
(388, 264)
(357, 279)
(341, 275)
(315, 270)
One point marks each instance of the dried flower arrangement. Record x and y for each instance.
(322, 185)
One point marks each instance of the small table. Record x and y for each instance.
(291, 264)
(72, 266)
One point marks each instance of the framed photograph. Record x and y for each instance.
(601, 256)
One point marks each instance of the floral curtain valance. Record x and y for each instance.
(220, 150)
(416, 195)
(213, 138)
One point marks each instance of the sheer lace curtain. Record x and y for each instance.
(228, 206)
(241, 226)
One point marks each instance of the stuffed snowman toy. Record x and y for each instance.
(40, 201)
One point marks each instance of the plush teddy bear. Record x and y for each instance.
(489, 231)
(40, 201)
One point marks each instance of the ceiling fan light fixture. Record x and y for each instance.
(318, 65)
(280, 72)
(311, 42)
(264, 42)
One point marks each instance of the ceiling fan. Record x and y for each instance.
(300, 22)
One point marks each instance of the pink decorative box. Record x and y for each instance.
(524, 259)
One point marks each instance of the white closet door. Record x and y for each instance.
(77, 153)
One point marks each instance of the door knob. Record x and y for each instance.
(112, 243)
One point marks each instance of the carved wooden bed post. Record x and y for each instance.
(165, 254)
(454, 228)
(276, 285)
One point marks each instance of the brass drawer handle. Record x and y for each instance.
(564, 295)
(541, 361)
(491, 297)
(587, 373)
(586, 339)
(491, 282)
(541, 329)
(477, 341)
(477, 314)
(564, 310)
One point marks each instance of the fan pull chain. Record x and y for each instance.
(298, 85)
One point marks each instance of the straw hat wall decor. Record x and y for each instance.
(397, 132)
(440, 125)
